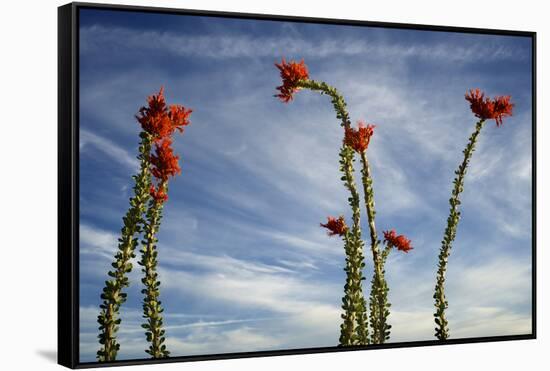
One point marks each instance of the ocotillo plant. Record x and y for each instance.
(359, 140)
(484, 109)
(354, 329)
(158, 122)
(165, 165)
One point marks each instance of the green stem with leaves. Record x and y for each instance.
(152, 308)
(441, 304)
(386, 253)
(354, 303)
(354, 329)
(378, 305)
(113, 296)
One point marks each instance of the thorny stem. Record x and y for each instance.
(369, 204)
(152, 309)
(441, 304)
(337, 99)
(354, 329)
(112, 295)
(379, 291)
(348, 326)
(385, 253)
(379, 306)
(354, 303)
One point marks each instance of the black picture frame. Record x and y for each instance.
(68, 183)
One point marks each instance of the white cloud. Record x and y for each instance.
(310, 243)
(298, 264)
(98, 37)
(206, 341)
(219, 263)
(480, 298)
(108, 148)
(223, 277)
(277, 293)
(502, 281)
(97, 242)
(490, 321)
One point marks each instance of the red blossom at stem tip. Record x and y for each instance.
(335, 226)
(486, 108)
(359, 138)
(158, 194)
(161, 120)
(179, 116)
(401, 242)
(291, 74)
(164, 162)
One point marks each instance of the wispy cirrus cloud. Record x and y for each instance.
(292, 300)
(109, 148)
(98, 37)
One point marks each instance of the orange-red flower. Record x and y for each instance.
(164, 162)
(400, 242)
(158, 194)
(335, 226)
(486, 108)
(161, 120)
(291, 73)
(179, 116)
(359, 138)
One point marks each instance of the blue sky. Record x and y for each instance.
(244, 264)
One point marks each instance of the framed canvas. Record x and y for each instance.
(242, 185)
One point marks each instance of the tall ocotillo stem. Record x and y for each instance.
(369, 205)
(162, 121)
(348, 328)
(379, 305)
(483, 108)
(113, 296)
(164, 165)
(158, 122)
(354, 330)
(441, 304)
(349, 334)
(152, 308)
(354, 303)
(380, 301)
(359, 140)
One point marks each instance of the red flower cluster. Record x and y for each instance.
(164, 162)
(486, 108)
(335, 226)
(291, 73)
(400, 242)
(179, 116)
(161, 120)
(359, 139)
(158, 194)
